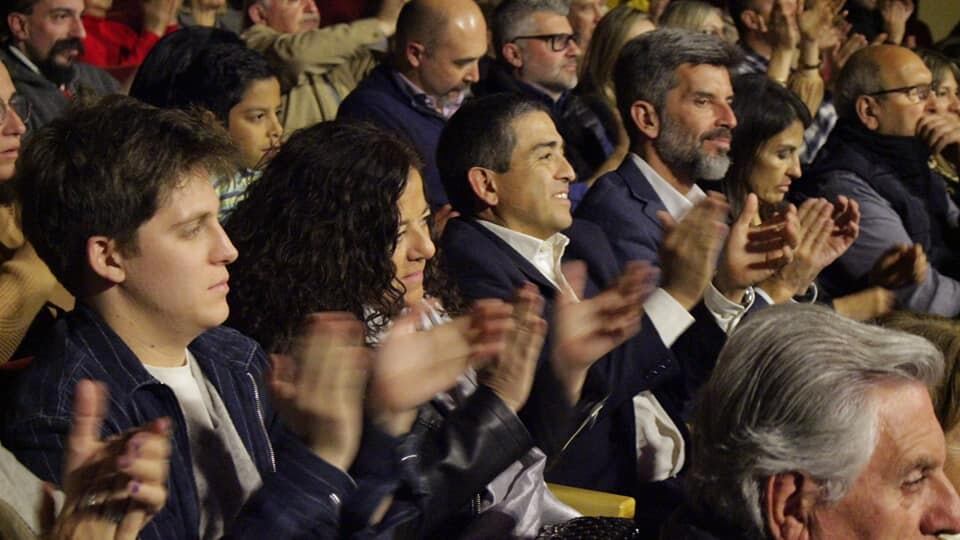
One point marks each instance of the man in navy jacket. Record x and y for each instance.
(434, 61)
(501, 159)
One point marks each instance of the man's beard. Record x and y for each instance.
(56, 73)
(684, 153)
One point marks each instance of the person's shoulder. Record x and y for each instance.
(226, 345)
(96, 78)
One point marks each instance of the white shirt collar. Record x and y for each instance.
(23, 58)
(544, 255)
(677, 203)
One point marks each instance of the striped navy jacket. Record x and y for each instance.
(301, 494)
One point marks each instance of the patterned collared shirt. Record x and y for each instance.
(824, 121)
(444, 107)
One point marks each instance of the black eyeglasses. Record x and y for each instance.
(18, 104)
(915, 93)
(558, 42)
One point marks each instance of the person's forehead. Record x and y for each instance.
(50, 5)
(532, 129)
(463, 38)
(908, 432)
(191, 195)
(548, 22)
(903, 68)
(6, 84)
(705, 78)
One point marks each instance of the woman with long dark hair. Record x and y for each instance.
(339, 221)
(765, 155)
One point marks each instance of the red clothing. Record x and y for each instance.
(341, 11)
(114, 46)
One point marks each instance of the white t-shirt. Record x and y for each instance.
(214, 447)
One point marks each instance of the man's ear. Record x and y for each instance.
(645, 118)
(19, 27)
(788, 504)
(866, 107)
(256, 13)
(753, 20)
(105, 259)
(414, 53)
(512, 55)
(484, 185)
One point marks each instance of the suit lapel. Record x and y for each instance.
(641, 190)
(529, 271)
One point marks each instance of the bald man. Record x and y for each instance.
(879, 155)
(434, 61)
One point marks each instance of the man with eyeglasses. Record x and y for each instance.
(40, 41)
(878, 155)
(537, 57)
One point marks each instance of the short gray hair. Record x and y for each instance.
(512, 18)
(791, 392)
(647, 65)
(859, 76)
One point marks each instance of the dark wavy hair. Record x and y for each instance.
(317, 232)
(763, 108)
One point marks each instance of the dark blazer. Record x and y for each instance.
(602, 455)
(624, 205)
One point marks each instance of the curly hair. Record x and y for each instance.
(317, 232)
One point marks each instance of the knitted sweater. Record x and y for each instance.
(26, 284)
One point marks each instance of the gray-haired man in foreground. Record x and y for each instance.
(814, 426)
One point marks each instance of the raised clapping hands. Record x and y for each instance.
(510, 374)
(115, 486)
(753, 253)
(585, 330)
(688, 254)
(826, 231)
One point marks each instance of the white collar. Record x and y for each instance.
(676, 203)
(544, 255)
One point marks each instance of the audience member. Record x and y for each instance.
(242, 91)
(674, 94)
(381, 266)
(946, 75)
(694, 15)
(537, 56)
(26, 284)
(771, 464)
(41, 42)
(595, 87)
(584, 16)
(878, 155)
(770, 33)
(121, 207)
(885, 20)
(434, 62)
(112, 487)
(324, 65)
(765, 156)
(502, 162)
(118, 48)
(156, 80)
(210, 14)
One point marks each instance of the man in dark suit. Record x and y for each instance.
(502, 163)
(674, 94)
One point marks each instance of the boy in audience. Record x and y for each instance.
(242, 90)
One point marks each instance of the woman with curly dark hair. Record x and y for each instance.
(339, 221)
